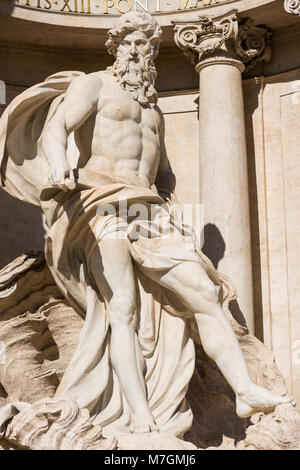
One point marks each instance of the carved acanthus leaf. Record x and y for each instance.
(292, 6)
(253, 43)
(206, 35)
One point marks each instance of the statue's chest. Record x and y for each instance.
(117, 105)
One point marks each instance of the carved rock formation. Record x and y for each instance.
(38, 334)
(53, 424)
(38, 330)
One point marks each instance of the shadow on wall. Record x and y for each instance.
(214, 248)
(251, 98)
(21, 228)
(9, 6)
(214, 244)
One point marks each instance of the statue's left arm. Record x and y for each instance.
(165, 179)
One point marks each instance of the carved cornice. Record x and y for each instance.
(292, 6)
(223, 36)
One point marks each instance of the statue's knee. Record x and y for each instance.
(121, 310)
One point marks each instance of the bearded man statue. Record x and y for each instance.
(89, 150)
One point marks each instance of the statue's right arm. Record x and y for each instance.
(80, 102)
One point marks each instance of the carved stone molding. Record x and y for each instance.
(223, 36)
(292, 6)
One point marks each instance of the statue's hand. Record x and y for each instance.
(62, 177)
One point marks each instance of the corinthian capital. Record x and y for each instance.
(292, 6)
(223, 36)
(207, 36)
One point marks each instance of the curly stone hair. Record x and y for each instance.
(130, 22)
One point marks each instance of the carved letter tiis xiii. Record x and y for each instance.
(224, 36)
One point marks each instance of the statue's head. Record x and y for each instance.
(134, 42)
(134, 22)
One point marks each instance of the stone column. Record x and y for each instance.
(220, 48)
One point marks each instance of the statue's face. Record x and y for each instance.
(134, 46)
(134, 67)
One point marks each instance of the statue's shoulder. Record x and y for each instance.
(102, 80)
(104, 76)
(87, 82)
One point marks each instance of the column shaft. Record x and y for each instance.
(219, 47)
(223, 176)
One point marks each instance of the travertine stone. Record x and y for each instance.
(223, 173)
(33, 315)
(279, 430)
(164, 12)
(277, 165)
(220, 47)
(80, 146)
(55, 423)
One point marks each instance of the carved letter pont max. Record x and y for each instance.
(224, 36)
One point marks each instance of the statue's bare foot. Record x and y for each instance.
(259, 399)
(143, 424)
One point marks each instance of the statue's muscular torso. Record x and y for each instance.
(123, 136)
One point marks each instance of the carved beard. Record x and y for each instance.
(137, 77)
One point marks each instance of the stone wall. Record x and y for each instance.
(274, 158)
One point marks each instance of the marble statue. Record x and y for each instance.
(83, 147)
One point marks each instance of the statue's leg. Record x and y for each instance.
(195, 289)
(112, 271)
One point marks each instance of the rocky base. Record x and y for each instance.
(38, 334)
(56, 424)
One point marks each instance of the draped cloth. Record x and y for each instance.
(76, 222)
